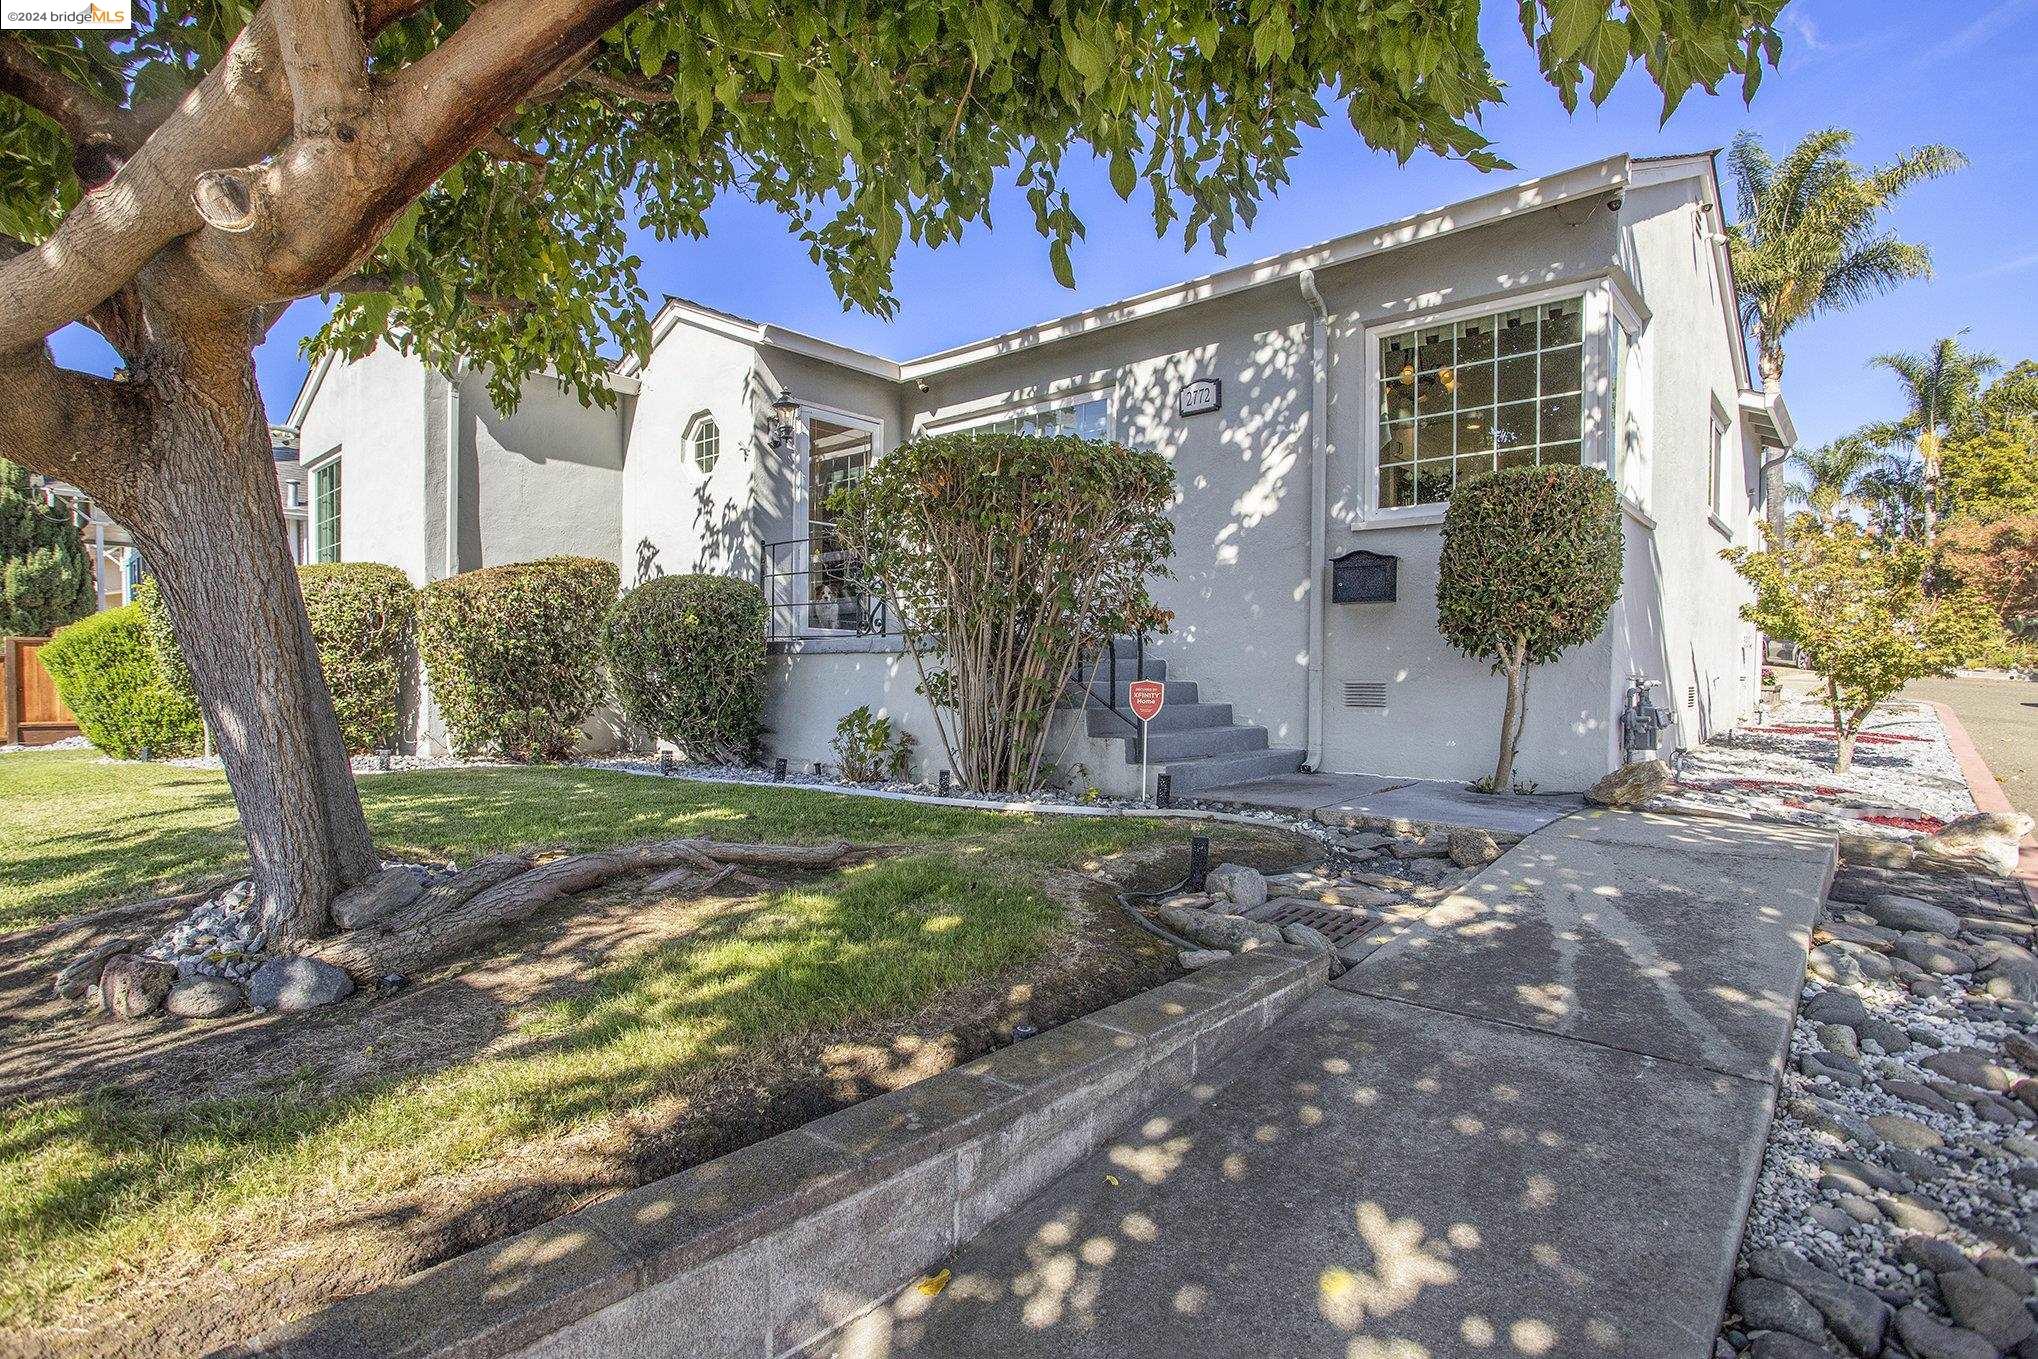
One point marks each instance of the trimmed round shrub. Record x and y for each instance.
(514, 653)
(46, 579)
(686, 655)
(106, 671)
(363, 621)
(1531, 566)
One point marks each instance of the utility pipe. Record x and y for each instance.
(1319, 512)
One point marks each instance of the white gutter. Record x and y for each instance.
(1319, 510)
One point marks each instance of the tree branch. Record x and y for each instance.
(101, 132)
(76, 427)
(325, 59)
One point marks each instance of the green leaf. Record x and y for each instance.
(1058, 259)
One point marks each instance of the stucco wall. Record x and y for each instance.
(808, 692)
(374, 414)
(1241, 586)
(1695, 642)
(543, 481)
(674, 519)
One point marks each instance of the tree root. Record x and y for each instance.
(503, 889)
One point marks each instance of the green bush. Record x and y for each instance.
(513, 653)
(1531, 566)
(872, 748)
(686, 654)
(106, 670)
(46, 579)
(363, 621)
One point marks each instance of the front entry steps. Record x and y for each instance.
(1197, 744)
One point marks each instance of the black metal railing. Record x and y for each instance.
(817, 587)
(1106, 665)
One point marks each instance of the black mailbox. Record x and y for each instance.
(1362, 577)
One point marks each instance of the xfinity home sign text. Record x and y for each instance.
(64, 14)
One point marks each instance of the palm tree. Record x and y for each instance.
(1892, 491)
(1831, 473)
(1942, 388)
(1809, 241)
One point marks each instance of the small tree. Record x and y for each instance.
(1002, 557)
(1997, 559)
(1990, 474)
(1855, 605)
(1531, 566)
(45, 579)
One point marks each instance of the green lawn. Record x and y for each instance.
(78, 833)
(105, 1200)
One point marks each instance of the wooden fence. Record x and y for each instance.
(33, 713)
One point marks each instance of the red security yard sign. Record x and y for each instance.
(1147, 697)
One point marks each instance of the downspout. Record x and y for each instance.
(453, 469)
(1319, 462)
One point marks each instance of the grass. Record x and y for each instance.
(78, 832)
(103, 1194)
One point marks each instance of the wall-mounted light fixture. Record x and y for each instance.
(785, 428)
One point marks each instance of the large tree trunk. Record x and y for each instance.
(211, 530)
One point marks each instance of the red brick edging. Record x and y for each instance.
(1987, 793)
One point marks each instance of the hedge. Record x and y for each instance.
(106, 671)
(514, 655)
(363, 622)
(686, 655)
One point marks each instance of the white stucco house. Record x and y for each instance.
(1315, 404)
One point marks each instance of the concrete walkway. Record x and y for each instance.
(1528, 1126)
(1357, 797)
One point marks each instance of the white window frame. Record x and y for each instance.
(1063, 400)
(1596, 438)
(1718, 431)
(313, 509)
(803, 467)
(690, 442)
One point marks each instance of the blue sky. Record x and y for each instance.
(1894, 72)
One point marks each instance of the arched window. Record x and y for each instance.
(705, 440)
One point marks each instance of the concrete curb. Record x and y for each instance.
(771, 1248)
(1987, 793)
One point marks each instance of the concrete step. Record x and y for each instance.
(1190, 777)
(1128, 669)
(1174, 717)
(1173, 692)
(1196, 743)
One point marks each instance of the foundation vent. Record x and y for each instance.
(1366, 694)
(1691, 695)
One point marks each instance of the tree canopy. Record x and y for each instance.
(866, 124)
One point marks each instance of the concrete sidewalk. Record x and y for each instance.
(1529, 1126)
(1372, 798)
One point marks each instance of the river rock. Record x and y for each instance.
(81, 974)
(204, 998)
(1232, 933)
(1900, 912)
(377, 899)
(1990, 837)
(1970, 1067)
(1928, 1338)
(1856, 1315)
(1935, 957)
(1987, 1308)
(1766, 1305)
(293, 984)
(1834, 1006)
(1240, 885)
(1631, 785)
(133, 987)
(1472, 848)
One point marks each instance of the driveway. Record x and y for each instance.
(2002, 717)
